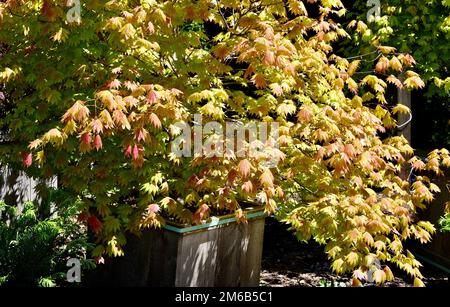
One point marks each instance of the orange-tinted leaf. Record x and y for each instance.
(267, 178)
(27, 159)
(154, 121)
(259, 81)
(98, 142)
(244, 168)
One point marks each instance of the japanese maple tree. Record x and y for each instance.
(97, 103)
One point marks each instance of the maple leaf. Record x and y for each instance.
(349, 150)
(414, 82)
(379, 276)
(128, 31)
(248, 187)
(259, 81)
(107, 99)
(121, 119)
(401, 108)
(141, 134)
(269, 58)
(153, 208)
(99, 260)
(60, 36)
(106, 119)
(407, 59)
(201, 213)
(382, 65)
(135, 152)
(356, 282)
(232, 175)
(338, 266)
(35, 144)
(131, 86)
(353, 235)
(94, 223)
(249, 71)
(386, 49)
(78, 112)
(111, 224)
(128, 150)
(114, 84)
(27, 159)
(395, 64)
(389, 274)
(393, 80)
(305, 114)
(152, 96)
(150, 27)
(98, 142)
(85, 138)
(353, 67)
(267, 178)
(221, 51)
(82, 217)
(352, 85)
(154, 121)
(297, 7)
(276, 89)
(54, 136)
(286, 109)
(352, 259)
(97, 126)
(240, 216)
(368, 239)
(418, 283)
(244, 168)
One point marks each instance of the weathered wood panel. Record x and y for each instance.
(225, 256)
(16, 188)
(438, 250)
(404, 120)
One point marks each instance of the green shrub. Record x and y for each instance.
(34, 249)
(444, 222)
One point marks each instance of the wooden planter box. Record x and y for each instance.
(437, 252)
(221, 253)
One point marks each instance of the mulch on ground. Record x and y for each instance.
(289, 263)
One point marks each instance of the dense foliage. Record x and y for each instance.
(97, 103)
(445, 223)
(34, 250)
(419, 28)
(422, 29)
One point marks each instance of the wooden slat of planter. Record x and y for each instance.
(251, 263)
(222, 257)
(227, 255)
(197, 258)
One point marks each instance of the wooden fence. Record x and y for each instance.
(16, 188)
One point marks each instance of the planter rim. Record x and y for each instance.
(251, 213)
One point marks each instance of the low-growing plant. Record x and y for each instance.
(444, 222)
(98, 103)
(34, 250)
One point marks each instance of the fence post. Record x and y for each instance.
(404, 98)
(405, 123)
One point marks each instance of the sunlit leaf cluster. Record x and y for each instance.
(97, 104)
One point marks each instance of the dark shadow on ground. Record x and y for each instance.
(289, 263)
